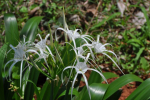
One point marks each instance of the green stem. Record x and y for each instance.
(67, 90)
(52, 89)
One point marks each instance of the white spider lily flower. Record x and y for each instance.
(20, 55)
(41, 45)
(100, 48)
(81, 68)
(75, 34)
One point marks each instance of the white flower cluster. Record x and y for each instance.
(22, 50)
(93, 46)
(21, 53)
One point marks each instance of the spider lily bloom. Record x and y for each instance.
(75, 34)
(100, 48)
(20, 55)
(81, 68)
(41, 45)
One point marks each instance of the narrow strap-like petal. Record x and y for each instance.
(50, 53)
(87, 57)
(7, 64)
(47, 37)
(113, 61)
(40, 36)
(105, 45)
(63, 71)
(13, 47)
(31, 50)
(98, 36)
(87, 85)
(10, 69)
(73, 84)
(113, 54)
(21, 72)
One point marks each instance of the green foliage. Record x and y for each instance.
(2, 55)
(133, 47)
(104, 21)
(30, 28)
(11, 27)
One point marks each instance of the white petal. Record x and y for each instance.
(13, 47)
(87, 57)
(21, 72)
(30, 50)
(87, 85)
(40, 36)
(7, 64)
(50, 53)
(113, 61)
(105, 45)
(62, 30)
(113, 54)
(98, 36)
(11, 69)
(73, 84)
(47, 37)
(63, 71)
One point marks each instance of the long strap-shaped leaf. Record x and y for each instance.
(118, 83)
(2, 56)
(97, 91)
(142, 92)
(30, 28)
(29, 90)
(11, 29)
(36, 90)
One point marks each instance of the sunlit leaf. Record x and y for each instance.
(11, 29)
(142, 92)
(97, 91)
(118, 83)
(30, 29)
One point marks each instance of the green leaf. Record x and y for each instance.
(144, 63)
(142, 92)
(46, 91)
(23, 9)
(11, 29)
(139, 53)
(97, 91)
(36, 90)
(109, 75)
(116, 95)
(75, 92)
(30, 29)
(29, 90)
(105, 20)
(147, 20)
(135, 41)
(94, 78)
(118, 83)
(2, 56)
